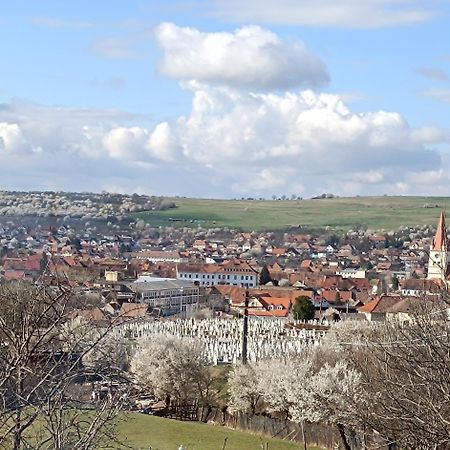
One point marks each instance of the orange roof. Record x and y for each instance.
(93, 314)
(273, 313)
(369, 307)
(133, 310)
(285, 302)
(440, 239)
(381, 304)
(235, 293)
(330, 295)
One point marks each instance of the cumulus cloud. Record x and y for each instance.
(231, 143)
(251, 56)
(343, 13)
(268, 141)
(318, 129)
(12, 140)
(126, 143)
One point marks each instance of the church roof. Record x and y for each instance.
(440, 239)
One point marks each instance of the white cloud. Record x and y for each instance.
(230, 144)
(325, 13)
(115, 83)
(116, 47)
(249, 57)
(433, 73)
(52, 22)
(162, 143)
(264, 142)
(12, 140)
(126, 143)
(441, 95)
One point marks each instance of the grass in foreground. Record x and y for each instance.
(157, 433)
(388, 213)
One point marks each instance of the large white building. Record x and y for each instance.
(167, 296)
(233, 273)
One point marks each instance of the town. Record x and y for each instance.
(185, 272)
(156, 319)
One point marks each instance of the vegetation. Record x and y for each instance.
(42, 397)
(264, 276)
(303, 308)
(142, 431)
(387, 382)
(175, 371)
(77, 205)
(377, 213)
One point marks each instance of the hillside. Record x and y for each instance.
(387, 213)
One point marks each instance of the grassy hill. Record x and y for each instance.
(388, 213)
(142, 431)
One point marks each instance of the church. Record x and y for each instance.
(438, 260)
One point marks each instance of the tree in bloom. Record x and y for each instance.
(244, 388)
(336, 393)
(174, 370)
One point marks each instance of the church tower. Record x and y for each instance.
(438, 260)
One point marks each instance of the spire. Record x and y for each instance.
(440, 239)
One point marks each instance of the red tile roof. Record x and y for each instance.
(440, 239)
(381, 304)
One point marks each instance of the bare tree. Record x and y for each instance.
(406, 374)
(41, 374)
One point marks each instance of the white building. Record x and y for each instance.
(351, 273)
(167, 296)
(233, 273)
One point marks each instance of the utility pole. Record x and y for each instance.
(245, 330)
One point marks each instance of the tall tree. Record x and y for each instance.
(264, 276)
(303, 308)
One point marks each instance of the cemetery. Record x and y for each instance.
(223, 338)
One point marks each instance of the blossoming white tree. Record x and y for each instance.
(244, 388)
(336, 392)
(173, 370)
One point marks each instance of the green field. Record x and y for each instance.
(145, 432)
(378, 213)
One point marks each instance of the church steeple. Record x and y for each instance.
(438, 260)
(440, 239)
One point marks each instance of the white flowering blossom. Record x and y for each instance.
(245, 387)
(171, 367)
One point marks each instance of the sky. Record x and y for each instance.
(226, 98)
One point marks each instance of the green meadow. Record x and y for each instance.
(156, 433)
(378, 213)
